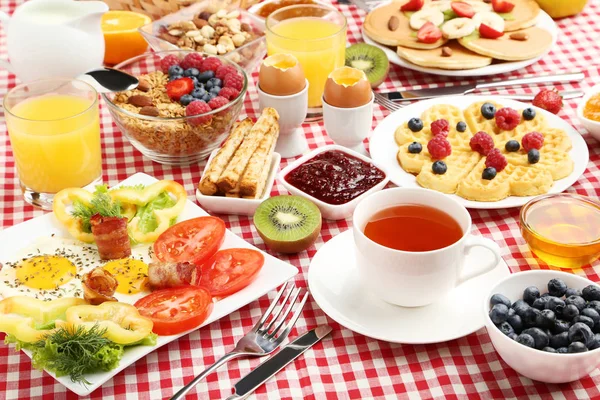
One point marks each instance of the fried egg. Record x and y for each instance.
(53, 267)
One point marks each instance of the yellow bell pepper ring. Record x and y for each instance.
(62, 200)
(123, 322)
(163, 216)
(19, 315)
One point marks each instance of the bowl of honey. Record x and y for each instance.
(562, 229)
(588, 111)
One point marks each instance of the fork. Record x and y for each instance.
(262, 339)
(387, 103)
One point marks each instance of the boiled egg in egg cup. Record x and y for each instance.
(283, 86)
(348, 108)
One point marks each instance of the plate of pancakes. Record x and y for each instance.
(403, 150)
(528, 35)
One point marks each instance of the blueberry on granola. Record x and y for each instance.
(175, 70)
(212, 82)
(186, 99)
(198, 93)
(191, 72)
(205, 76)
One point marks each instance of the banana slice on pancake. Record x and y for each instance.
(458, 27)
(421, 17)
(490, 19)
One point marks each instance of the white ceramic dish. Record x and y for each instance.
(273, 274)
(336, 287)
(532, 363)
(544, 21)
(239, 206)
(593, 127)
(383, 147)
(260, 21)
(331, 211)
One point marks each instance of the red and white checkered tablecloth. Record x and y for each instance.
(347, 365)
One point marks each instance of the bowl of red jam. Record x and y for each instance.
(334, 178)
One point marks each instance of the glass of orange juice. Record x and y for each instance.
(316, 35)
(54, 130)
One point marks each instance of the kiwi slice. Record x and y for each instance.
(370, 59)
(288, 224)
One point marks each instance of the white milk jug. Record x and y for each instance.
(54, 38)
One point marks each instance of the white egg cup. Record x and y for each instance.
(349, 127)
(292, 111)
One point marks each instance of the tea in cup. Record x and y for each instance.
(411, 245)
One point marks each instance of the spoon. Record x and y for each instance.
(107, 80)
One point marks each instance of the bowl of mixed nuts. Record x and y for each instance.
(232, 33)
(183, 108)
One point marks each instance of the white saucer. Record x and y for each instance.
(335, 286)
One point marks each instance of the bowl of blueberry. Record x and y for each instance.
(184, 106)
(546, 324)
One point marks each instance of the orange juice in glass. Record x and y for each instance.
(54, 131)
(316, 36)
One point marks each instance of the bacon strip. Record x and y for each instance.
(110, 234)
(172, 274)
(99, 286)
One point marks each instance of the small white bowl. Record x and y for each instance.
(233, 205)
(593, 127)
(331, 211)
(532, 363)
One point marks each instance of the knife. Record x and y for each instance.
(286, 355)
(566, 95)
(419, 94)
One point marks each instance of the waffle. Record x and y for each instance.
(465, 166)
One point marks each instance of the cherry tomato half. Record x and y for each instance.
(176, 310)
(230, 270)
(194, 240)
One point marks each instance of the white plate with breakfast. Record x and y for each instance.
(140, 273)
(447, 38)
(523, 152)
(335, 284)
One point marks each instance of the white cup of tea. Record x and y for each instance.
(401, 275)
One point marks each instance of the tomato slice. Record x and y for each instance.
(429, 33)
(462, 9)
(194, 240)
(488, 32)
(230, 270)
(176, 310)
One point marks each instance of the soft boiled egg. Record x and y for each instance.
(53, 267)
(347, 87)
(281, 75)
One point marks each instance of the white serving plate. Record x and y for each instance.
(331, 211)
(383, 147)
(239, 206)
(543, 21)
(335, 285)
(274, 273)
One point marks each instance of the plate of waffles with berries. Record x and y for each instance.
(487, 151)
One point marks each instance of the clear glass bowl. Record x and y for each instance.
(247, 56)
(562, 229)
(174, 140)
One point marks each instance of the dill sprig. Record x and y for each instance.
(75, 352)
(101, 203)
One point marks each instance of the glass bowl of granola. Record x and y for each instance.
(184, 107)
(231, 32)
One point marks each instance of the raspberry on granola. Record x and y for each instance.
(233, 80)
(211, 64)
(192, 60)
(224, 70)
(168, 62)
(229, 93)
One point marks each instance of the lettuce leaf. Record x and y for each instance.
(147, 222)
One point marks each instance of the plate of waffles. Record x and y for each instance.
(527, 34)
(532, 164)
